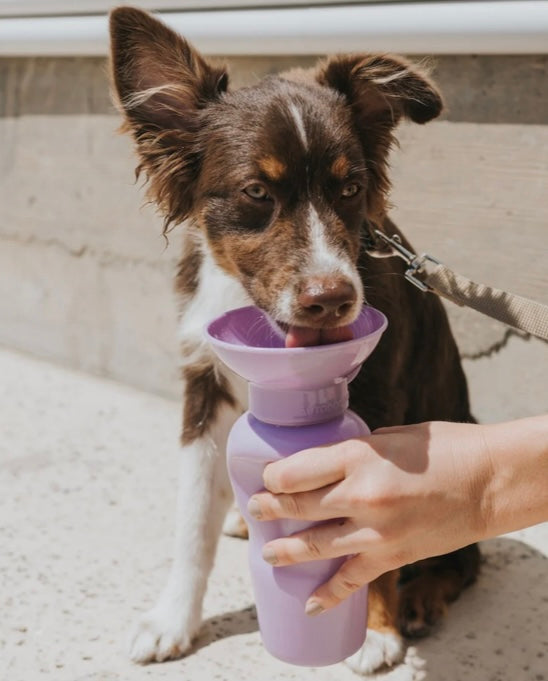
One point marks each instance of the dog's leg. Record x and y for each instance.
(383, 646)
(167, 630)
(430, 585)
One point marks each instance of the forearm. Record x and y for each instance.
(516, 491)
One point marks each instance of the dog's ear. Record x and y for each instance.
(161, 84)
(381, 90)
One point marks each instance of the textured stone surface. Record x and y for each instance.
(510, 382)
(88, 467)
(479, 89)
(472, 195)
(87, 491)
(85, 276)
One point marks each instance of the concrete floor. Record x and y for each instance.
(87, 490)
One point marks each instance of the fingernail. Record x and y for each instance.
(254, 508)
(269, 555)
(313, 608)
(265, 475)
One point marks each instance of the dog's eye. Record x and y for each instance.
(257, 191)
(350, 190)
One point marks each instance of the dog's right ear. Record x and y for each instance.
(161, 84)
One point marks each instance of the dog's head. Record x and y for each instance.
(281, 177)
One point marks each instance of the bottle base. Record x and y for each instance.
(301, 659)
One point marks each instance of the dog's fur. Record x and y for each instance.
(278, 184)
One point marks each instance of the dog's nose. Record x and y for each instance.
(327, 297)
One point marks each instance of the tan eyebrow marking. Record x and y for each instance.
(272, 167)
(340, 167)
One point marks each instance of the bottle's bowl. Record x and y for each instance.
(248, 343)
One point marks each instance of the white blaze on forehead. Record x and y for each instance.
(299, 123)
(325, 258)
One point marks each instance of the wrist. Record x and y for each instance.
(516, 462)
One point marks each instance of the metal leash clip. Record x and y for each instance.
(415, 262)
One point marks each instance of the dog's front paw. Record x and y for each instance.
(235, 525)
(161, 634)
(379, 650)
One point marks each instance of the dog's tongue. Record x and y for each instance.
(300, 336)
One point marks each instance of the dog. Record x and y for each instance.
(278, 188)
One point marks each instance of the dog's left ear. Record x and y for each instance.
(381, 90)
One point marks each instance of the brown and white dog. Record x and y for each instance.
(278, 185)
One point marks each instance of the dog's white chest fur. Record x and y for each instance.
(217, 293)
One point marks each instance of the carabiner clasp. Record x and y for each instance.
(414, 262)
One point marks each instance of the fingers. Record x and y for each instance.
(351, 576)
(315, 505)
(307, 470)
(329, 540)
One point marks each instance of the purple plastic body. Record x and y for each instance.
(281, 592)
(298, 399)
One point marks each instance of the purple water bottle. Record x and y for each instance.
(298, 398)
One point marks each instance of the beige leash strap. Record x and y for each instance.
(428, 274)
(521, 313)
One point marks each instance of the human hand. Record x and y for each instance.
(394, 497)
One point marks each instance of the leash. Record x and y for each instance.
(430, 275)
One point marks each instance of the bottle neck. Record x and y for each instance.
(298, 407)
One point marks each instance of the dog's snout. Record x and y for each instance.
(327, 297)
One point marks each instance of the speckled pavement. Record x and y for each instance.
(87, 492)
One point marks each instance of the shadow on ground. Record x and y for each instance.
(496, 631)
(228, 624)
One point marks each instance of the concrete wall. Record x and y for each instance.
(85, 277)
